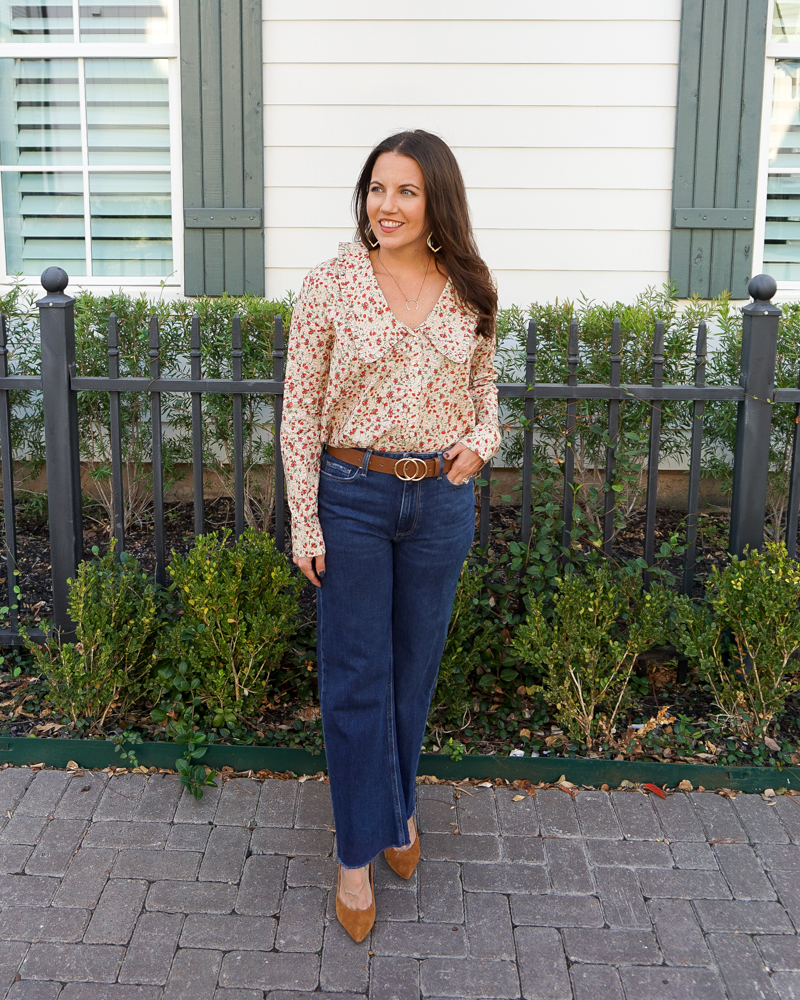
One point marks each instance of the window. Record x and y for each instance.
(87, 105)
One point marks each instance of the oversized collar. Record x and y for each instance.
(366, 314)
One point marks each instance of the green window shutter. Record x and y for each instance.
(720, 83)
(223, 146)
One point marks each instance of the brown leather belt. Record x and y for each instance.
(410, 470)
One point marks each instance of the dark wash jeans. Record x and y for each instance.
(394, 553)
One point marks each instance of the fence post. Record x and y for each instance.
(754, 419)
(57, 333)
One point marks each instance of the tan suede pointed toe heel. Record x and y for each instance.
(357, 923)
(403, 862)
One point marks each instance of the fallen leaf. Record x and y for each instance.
(525, 733)
(72, 765)
(626, 784)
(772, 744)
(655, 789)
(685, 785)
(519, 798)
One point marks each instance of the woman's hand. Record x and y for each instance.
(466, 463)
(313, 567)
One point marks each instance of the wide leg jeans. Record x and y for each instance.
(394, 553)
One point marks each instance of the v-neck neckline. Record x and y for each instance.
(433, 309)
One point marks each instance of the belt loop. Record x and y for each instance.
(440, 456)
(365, 463)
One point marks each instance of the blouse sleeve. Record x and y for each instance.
(308, 362)
(484, 439)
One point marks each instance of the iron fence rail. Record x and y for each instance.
(60, 385)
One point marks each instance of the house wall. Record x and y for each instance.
(562, 117)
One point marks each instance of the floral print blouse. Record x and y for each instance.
(356, 377)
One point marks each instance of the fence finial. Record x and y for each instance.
(762, 287)
(54, 279)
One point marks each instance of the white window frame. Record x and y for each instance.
(102, 50)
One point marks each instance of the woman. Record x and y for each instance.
(390, 408)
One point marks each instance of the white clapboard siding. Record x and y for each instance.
(562, 117)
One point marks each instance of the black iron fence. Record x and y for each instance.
(60, 383)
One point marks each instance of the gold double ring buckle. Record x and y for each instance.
(420, 469)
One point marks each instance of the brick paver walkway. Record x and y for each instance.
(125, 888)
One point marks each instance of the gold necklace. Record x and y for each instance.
(414, 300)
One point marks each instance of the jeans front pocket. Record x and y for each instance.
(340, 472)
(458, 486)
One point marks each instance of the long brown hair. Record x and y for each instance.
(448, 216)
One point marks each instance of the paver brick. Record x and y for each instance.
(557, 815)
(779, 951)
(226, 932)
(188, 837)
(542, 966)
(678, 818)
(678, 932)
(601, 946)
(225, 854)
(447, 847)
(503, 877)
(718, 817)
(556, 911)
(762, 824)
(787, 885)
(291, 995)
(314, 810)
(31, 989)
(109, 991)
(634, 810)
(127, 835)
(621, 898)
(517, 819)
(411, 940)
(292, 843)
(277, 803)
(476, 813)
(301, 920)
(57, 847)
(385, 878)
(238, 802)
(261, 886)
(528, 850)
(42, 795)
(391, 904)
(159, 799)
(239, 995)
(117, 912)
(13, 858)
(596, 816)
(23, 828)
(94, 963)
(440, 892)
(436, 809)
(86, 876)
(695, 855)
(156, 865)
(394, 978)
(567, 866)
(743, 873)
(27, 890)
(120, 797)
(629, 853)
(488, 924)
(11, 955)
(741, 967)
(82, 795)
(193, 975)
(780, 857)
(787, 984)
(269, 971)
(788, 809)
(345, 964)
(671, 984)
(742, 916)
(190, 810)
(480, 978)
(595, 982)
(149, 955)
(312, 871)
(680, 883)
(191, 897)
(40, 923)
(13, 782)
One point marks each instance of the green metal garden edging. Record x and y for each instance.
(21, 750)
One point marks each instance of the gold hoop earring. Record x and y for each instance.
(430, 245)
(370, 233)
